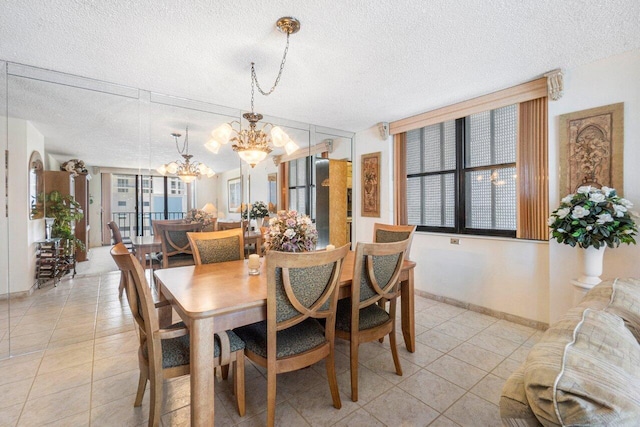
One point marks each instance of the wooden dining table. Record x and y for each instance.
(216, 297)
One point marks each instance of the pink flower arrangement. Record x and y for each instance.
(291, 232)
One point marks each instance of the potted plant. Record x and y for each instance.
(593, 219)
(65, 211)
(257, 210)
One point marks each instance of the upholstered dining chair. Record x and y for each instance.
(176, 251)
(301, 288)
(164, 353)
(359, 319)
(387, 233)
(217, 246)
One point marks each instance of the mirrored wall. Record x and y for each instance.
(113, 138)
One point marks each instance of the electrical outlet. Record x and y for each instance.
(455, 241)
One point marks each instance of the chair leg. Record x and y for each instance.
(238, 382)
(394, 351)
(121, 285)
(271, 397)
(382, 303)
(224, 370)
(142, 384)
(155, 404)
(354, 368)
(330, 361)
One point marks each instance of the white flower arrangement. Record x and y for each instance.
(256, 210)
(198, 215)
(291, 232)
(594, 217)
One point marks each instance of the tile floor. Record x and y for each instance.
(80, 368)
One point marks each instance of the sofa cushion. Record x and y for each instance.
(620, 297)
(514, 406)
(585, 370)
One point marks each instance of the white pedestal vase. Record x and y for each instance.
(592, 259)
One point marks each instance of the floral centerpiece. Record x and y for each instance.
(594, 217)
(256, 210)
(291, 232)
(198, 215)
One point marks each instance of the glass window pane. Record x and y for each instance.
(492, 137)
(431, 200)
(478, 147)
(491, 199)
(413, 151)
(505, 133)
(123, 203)
(439, 200)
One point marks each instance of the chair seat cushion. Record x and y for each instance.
(175, 351)
(370, 316)
(304, 336)
(180, 260)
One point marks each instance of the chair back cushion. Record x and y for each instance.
(376, 269)
(307, 286)
(219, 250)
(217, 246)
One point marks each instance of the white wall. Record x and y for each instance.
(524, 278)
(501, 274)
(608, 81)
(24, 138)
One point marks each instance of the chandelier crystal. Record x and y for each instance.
(186, 170)
(253, 144)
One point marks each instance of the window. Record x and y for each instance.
(122, 203)
(461, 174)
(301, 172)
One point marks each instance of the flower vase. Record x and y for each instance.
(592, 265)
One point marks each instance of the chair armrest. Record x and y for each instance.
(164, 334)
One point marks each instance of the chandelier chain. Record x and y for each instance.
(185, 144)
(254, 77)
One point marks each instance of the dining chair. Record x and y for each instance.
(164, 352)
(217, 246)
(359, 319)
(116, 237)
(388, 233)
(301, 288)
(228, 225)
(176, 251)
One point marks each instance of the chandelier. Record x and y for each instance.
(253, 144)
(187, 171)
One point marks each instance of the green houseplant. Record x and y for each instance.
(594, 217)
(65, 211)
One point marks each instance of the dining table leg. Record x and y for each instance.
(407, 311)
(202, 381)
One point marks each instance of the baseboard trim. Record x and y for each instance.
(484, 310)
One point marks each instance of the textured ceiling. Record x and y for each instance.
(353, 63)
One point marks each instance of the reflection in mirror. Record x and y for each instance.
(318, 183)
(4, 224)
(36, 186)
(61, 121)
(122, 135)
